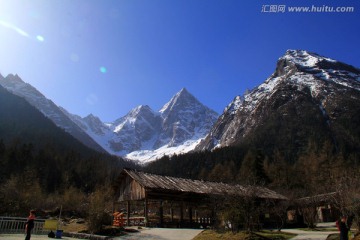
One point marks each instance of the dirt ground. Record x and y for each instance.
(22, 237)
(145, 233)
(162, 234)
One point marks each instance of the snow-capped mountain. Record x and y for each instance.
(146, 135)
(307, 96)
(184, 118)
(15, 85)
(142, 134)
(137, 130)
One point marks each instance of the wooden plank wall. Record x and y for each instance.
(130, 190)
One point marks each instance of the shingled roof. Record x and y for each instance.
(165, 183)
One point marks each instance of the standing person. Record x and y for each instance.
(344, 229)
(29, 224)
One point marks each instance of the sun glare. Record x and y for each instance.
(14, 28)
(103, 69)
(40, 38)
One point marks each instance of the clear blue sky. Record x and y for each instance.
(106, 57)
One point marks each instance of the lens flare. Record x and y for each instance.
(103, 69)
(40, 38)
(13, 27)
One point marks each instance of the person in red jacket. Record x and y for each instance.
(29, 224)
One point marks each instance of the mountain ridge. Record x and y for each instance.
(17, 86)
(144, 135)
(142, 129)
(302, 83)
(300, 77)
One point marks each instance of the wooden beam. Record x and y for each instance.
(161, 212)
(181, 213)
(128, 213)
(190, 215)
(172, 214)
(146, 212)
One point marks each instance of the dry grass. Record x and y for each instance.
(228, 235)
(72, 226)
(211, 234)
(336, 236)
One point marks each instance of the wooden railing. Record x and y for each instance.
(17, 225)
(135, 221)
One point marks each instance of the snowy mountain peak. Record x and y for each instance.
(17, 86)
(180, 101)
(142, 109)
(298, 74)
(92, 118)
(136, 114)
(15, 78)
(304, 58)
(298, 63)
(234, 105)
(145, 135)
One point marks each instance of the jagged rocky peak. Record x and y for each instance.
(14, 77)
(294, 60)
(140, 112)
(16, 85)
(300, 77)
(139, 117)
(142, 109)
(96, 125)
(181, 100)
(92, 119)
(304, 61)
(296, 63)
(304, 58)
(12, 81)
(235, 104)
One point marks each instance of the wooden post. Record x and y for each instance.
(146, 213)
(171, 211)
(213, 216)
(190, 215)
(181, 213)
(172, 214)
(161, 212)
(128, 213)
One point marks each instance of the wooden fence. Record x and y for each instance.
(17, 225)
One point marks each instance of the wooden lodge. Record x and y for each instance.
(163, 201)
(322, 206)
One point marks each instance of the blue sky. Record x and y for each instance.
(106, 57)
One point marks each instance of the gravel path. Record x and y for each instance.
(33, 237)
(163, 234)
(174, 234)
(311, 235)
(145, 233)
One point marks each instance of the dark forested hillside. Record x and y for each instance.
(38, 157)
(19, 120)
(316, 169)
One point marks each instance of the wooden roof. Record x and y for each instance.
(325, 198)
(160, 183)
